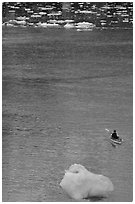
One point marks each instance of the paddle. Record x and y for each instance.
(107, 130)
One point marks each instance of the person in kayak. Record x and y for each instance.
(114, 135)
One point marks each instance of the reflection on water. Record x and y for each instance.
(56, 106)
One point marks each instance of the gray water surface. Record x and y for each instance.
(61, 89)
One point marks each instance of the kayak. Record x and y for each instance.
(114, 141)
(117, 141)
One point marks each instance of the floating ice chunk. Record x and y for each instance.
(80, 183)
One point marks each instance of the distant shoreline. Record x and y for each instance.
(68, 14)
(74, 28)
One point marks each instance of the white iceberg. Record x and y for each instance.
(79, 183)
(83, 25)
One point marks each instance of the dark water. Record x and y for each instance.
(61, 89)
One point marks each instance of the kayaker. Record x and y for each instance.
(114, 135)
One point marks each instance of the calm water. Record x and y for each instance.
(61, 89)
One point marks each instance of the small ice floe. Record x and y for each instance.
(69, 25)
(84, 25)
(79, 183)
